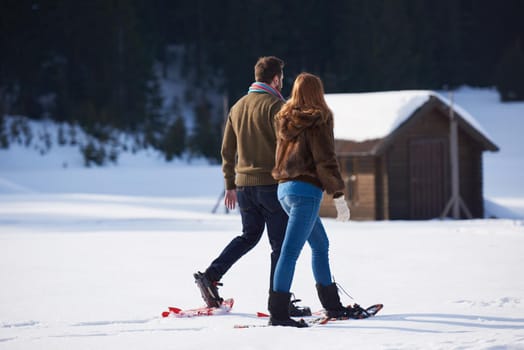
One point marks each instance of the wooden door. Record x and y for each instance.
(428, 171)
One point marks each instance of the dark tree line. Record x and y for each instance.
(355, 45)
(92, 62)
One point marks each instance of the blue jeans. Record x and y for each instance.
(259, 207)
(301, 201)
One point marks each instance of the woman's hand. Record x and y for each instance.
(342, 209)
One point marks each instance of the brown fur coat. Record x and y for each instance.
(306, 150)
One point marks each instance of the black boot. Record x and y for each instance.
(298, 310)
(279, 311)
(330, 300)
(208, 289)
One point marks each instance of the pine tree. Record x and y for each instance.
(510, 74)
(175, 139)
(4, 140)
(205, 140)
(395, 62)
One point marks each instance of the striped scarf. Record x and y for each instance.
(263, 88)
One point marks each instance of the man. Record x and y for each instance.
(248, 156)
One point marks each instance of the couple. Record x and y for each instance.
(277, 158)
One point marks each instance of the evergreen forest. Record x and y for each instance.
(101, 64)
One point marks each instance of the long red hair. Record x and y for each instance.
(307, 96)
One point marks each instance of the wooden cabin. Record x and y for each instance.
(394, 152)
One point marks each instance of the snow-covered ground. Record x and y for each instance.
(89, 258)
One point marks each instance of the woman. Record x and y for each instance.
(305, 166)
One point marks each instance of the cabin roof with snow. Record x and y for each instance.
(371, 120)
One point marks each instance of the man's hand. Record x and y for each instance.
(230, 199)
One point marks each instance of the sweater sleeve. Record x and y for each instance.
(275, 108)
(229, 151)
(322, 143)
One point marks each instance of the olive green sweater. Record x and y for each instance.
(248, 146)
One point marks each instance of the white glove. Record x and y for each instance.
(342, 209)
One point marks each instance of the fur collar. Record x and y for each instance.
(294, 123)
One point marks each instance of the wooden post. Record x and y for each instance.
(225, 107)
(455, 202)
(454, 157)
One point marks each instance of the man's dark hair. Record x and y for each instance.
(267, 67)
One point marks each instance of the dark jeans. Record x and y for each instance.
(259, 207)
